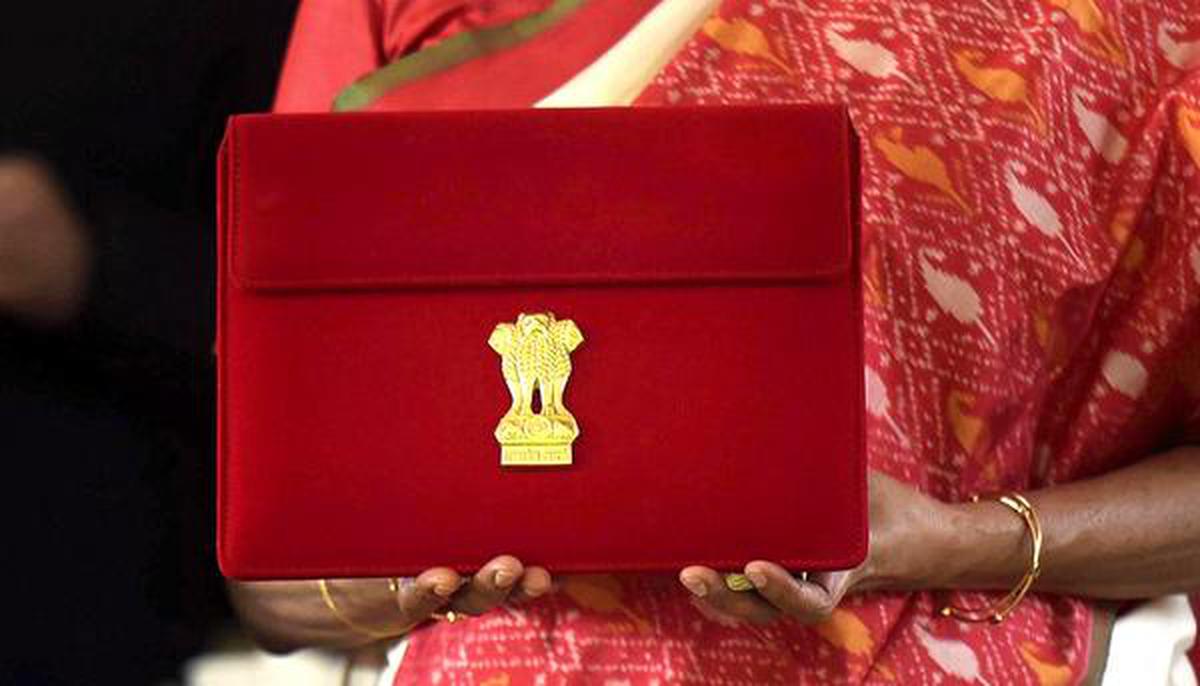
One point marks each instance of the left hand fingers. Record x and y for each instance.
(709, 588)
(489, 586)
(808, 601)
(535, 582)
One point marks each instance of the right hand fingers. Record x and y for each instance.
(490, 586)
(431, 591)
(502, 579)
(534, 582)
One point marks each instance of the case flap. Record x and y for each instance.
(602, 197)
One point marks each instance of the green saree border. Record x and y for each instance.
(449, 53)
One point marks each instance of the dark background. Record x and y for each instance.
(106, 422)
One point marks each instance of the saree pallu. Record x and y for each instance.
(1031, 242)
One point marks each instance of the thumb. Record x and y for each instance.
(835, 585)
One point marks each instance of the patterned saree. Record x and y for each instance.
(1031, 218)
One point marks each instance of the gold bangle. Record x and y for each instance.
(449, 616)
(327, 596)
(1001, 609)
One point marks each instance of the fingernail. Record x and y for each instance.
(445, 589)
(696, 586)
(503, 578)
(757, 578)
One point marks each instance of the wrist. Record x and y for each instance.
(985, 546)
(370, 607)
(922, 549)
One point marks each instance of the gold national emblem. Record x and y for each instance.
(535, 354)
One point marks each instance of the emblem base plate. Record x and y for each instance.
(534, 455)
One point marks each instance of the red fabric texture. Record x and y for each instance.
(1031, 260)
(534, 67)
(338, 41)
(708, 256)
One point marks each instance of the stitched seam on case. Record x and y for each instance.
(639, 566)
(850, 170)
(580, 279)
(233, 197)
(854, 218)
(856, 319)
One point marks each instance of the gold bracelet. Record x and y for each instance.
(323, 585)
(999, 611)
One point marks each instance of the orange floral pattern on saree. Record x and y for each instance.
(1031, 216)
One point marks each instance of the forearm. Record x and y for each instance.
(1132, 533)
(287, 615)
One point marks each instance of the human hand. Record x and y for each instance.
(502, 580)
(285, 615)
(45, 254)
(908, 529)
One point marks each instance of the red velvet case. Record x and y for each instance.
(708, 255)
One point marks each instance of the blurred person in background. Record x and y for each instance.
(111, 117)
